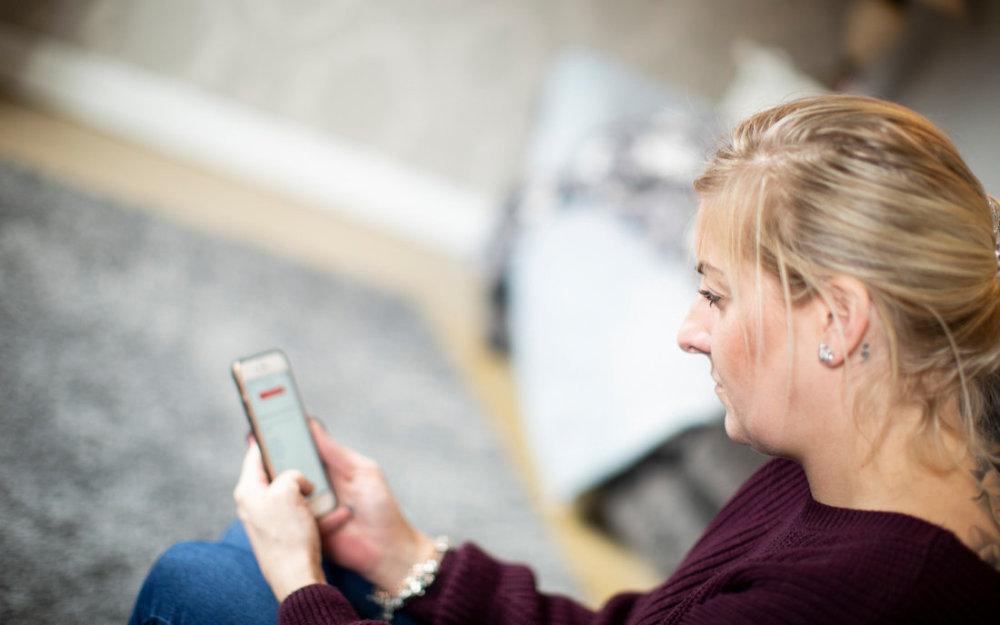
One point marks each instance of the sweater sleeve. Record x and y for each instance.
(473, 587)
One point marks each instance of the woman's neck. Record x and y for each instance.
(958, 495)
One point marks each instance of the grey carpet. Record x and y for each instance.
(122, 432)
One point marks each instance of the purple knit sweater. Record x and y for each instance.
(771, 555)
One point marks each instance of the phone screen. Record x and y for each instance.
(285, 433)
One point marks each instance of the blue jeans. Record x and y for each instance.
(205, 583)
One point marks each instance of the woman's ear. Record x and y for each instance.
(847, 306)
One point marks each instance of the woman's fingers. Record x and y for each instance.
(292, 481)
(253, 478)
(333, 520)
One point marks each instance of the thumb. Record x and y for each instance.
(252, 473)
(334, 519)
(293, 480)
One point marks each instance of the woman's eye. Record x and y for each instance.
(712, 298)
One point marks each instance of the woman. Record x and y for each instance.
(850, 307)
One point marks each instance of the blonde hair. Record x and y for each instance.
(845, 185)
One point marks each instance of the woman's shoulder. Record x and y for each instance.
(878, 580)
(917, 574)
(949, 559)
(889, 561)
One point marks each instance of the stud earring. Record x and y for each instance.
(825, 354)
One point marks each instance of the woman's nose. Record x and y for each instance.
(693, 336)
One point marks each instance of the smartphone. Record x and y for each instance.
(280, 424)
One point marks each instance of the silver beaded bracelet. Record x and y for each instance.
(416, 582)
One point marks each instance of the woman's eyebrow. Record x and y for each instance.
(702, 267)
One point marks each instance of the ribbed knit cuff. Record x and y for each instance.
(465, 586)
(314, 605)
(423, 608)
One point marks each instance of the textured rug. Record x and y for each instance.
(122, 431)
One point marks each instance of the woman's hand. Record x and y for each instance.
(367, 533)
(280, 526)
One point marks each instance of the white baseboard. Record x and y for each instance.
(226, 137)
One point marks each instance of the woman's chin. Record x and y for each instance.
(734, 430)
